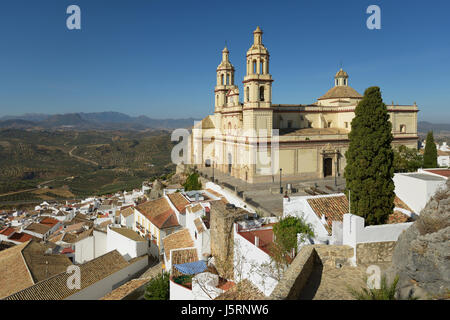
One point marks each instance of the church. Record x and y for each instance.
(253, 140)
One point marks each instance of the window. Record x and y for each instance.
(247, 92)
(228, 78)
(309, 124)
(402, 128)
(329, 124)
(346, 124)
(261, 93)
(289, 123)
(195, 235)
(261, 65)
(254, 66)
(221, 79)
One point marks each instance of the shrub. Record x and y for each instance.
(158, 287)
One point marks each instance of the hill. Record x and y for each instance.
(81, 162)
(92, 121)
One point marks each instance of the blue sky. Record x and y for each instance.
(158, 58)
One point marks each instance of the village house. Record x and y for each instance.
(127, 242)
(27, 264)
(99, 277)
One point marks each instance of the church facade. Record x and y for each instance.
(252, 140)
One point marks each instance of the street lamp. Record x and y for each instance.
(335, 173)
(281, 188)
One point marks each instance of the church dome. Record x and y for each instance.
(341, 73)
(341, 92)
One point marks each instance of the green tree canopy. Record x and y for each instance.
(369, 170)
(192, 182)
(407, 159)
(286, 231)
(158, 288)
(430, 152)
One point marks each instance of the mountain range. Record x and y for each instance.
(92, 121)
(110, 120)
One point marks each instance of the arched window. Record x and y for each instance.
(221, 79)
(228, 78)
(403, 128)
(217, 99)
(254, 66)
(261, 93)
(247, 93)
(345, 82)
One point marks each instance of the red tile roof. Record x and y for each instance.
(159, 213)
(21, 237)
(49, 221)
(178, 201)
(265, 238)
(7, 231)
(441, 172)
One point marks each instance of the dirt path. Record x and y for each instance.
(26, 190)
(80, 158)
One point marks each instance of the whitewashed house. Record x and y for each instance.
(128, 242)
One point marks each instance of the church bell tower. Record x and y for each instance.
(225, 90)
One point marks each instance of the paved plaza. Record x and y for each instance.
(267, 195)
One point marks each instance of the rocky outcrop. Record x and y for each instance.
(422, 254)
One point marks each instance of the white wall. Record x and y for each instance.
(415, 192)
(178, 292)
(106, 285)
(128, 248)
(230, 196)
(248, 264)
(354, 232)
(84, 250)
(90, 247)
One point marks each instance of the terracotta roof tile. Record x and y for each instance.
(333, 208)
(199, 225)
(128, 233)
(127, 212)
(178, 200)
(125, 289)
(159, 213)
(55, 288)
(177, 240)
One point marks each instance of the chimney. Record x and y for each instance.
(257, 241)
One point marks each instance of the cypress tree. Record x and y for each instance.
(430, 152)
(369, 170)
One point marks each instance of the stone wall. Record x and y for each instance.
(310, 257)
(221, 231)
(374, 252)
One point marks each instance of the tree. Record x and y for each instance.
(192, 182)
(286, 231)
(407, 159)
(369, 170)
(158, 287)
(430, 152)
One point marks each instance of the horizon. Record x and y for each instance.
(126, 56)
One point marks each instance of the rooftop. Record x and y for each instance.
(128, 233)
(125, 289)
(178, 200)
(177, 240)
(427, 177)
(55, 288)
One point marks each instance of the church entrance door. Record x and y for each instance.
(327, 167)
